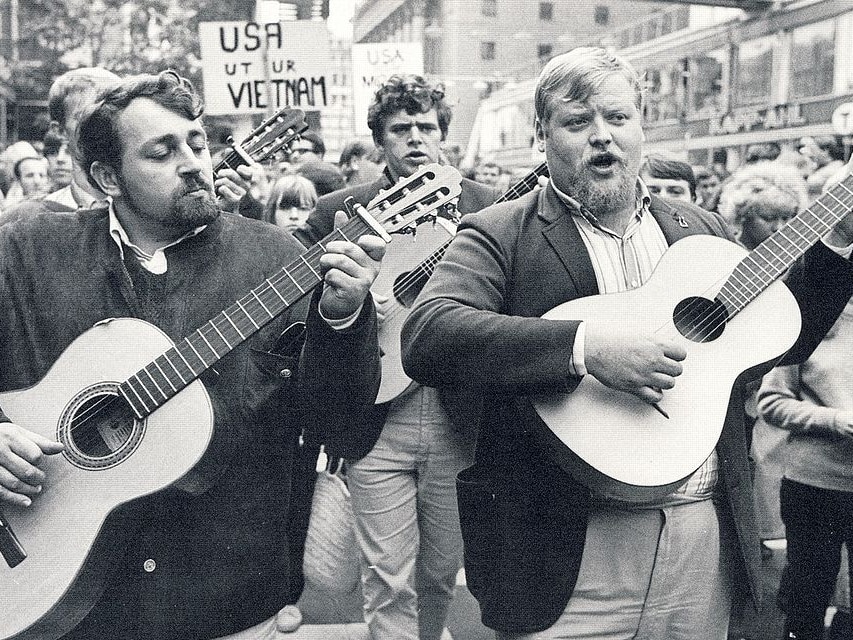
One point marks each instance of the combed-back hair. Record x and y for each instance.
(577, 74)
(98, 139)
(659, 166)
(71, 91)
(411, 93)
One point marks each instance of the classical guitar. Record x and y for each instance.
(408, 264)
(728, 309)
(134, 418)
(273, 135)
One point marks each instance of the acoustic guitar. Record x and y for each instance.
(408, 264)
(134, 418)
(274, 134)
(727, 308)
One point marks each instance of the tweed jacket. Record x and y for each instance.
(476, 333)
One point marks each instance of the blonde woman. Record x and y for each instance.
(291, 199)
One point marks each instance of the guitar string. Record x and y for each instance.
(764, 247)
(284, 275)
(722, 315)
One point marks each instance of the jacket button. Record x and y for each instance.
(149, 565)
(285, 373)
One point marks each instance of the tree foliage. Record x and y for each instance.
(125, 37)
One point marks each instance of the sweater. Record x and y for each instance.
(805, 399)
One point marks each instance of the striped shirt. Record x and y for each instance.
(622, 263)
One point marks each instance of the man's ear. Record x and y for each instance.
(105, 178)
(540, 134)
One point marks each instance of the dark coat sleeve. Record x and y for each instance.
(822, 283)
(459, 334)
(340, 373)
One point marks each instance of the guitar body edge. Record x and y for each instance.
(68, 547)
(402, 256)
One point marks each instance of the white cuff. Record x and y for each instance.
(577, 366)
(339, 324)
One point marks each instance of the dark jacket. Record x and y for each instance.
(476, 329)
(357, 441)
(221, 555)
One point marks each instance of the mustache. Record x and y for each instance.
(194, 184)
(603, 157)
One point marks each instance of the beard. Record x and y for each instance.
(185, 211)
(603, 196)
(192, 211)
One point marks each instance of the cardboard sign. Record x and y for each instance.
(232, 58)
(372, 64)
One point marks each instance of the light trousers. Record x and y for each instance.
(656, 574)
(407, 519)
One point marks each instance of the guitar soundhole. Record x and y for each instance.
(98, 428)
(699, 319)
(408, 285)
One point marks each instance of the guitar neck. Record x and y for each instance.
(525, 185)
(156, 383)
(772, 258)
(230, 161)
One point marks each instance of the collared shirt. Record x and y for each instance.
(74, 197)
(622, 263)
(154, 262)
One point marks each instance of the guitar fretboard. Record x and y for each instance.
(769, 260)
(160, 380)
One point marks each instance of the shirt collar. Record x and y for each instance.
(153, 262)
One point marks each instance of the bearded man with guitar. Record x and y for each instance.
(560, 541)
(405, 455)
(207, 555)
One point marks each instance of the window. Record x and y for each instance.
(546, 11)
(813, 60)
(545, 51)
(602, 16)
(754, 72)
(663, 99)
(487, 50)
(489, 8)
(708, 82)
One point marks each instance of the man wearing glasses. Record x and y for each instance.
(309, 148)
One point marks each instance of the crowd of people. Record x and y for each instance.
(117, 213)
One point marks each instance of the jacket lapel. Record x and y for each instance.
(562, 234)
(673, 225)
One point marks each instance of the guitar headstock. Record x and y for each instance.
(414, 200)
(273, 135)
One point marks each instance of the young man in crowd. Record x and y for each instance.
(404, 458)
(668, 178)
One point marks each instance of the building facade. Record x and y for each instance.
(476, 47)
(722, 81)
